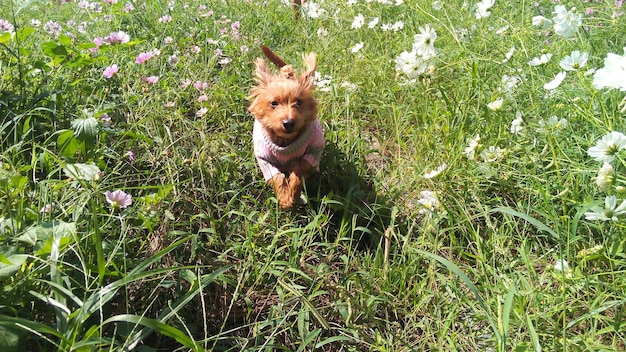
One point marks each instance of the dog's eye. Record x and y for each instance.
(274, 103)
(298, 103)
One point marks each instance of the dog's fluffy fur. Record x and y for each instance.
(286, 116)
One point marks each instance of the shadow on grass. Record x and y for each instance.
(357, 211)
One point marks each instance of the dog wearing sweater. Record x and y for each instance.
(288, 138)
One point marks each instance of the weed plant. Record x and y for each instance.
(471, 193)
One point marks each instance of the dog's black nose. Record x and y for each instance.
(288, 125)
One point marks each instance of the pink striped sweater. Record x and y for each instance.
(274, 159)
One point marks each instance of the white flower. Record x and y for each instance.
(610, 211)
(613, 74)
(538, 61)
(561, 265)
(606, 148)
(516, 125)
(605, 177)
(358, 21)
(501, 30)
(552, 123)
(566, 23)
(574, 61)
(424, 44)
(357, 47)
(482, 8)
(350, 87)
(558, 79)
(495, 105)
(542, 22)
(435, 172)
(508, 55)
(509, 83)
(410, 64)
(397, 26)
(429, 201)
(373, 22)
(349, 2)
(313, 10)
(437, 5)
(322, 83)
(492, 154)
(471, 149)
(321, 32)
(202, 112)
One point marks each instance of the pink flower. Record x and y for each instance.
(106, 120)
(131, 156)
(128, 7)
(151, 79)
(118, 38)
(143, 57)
(167, 40)
(165, 19)
(118, 199)
(202, 98)
(172, 60)
(111, 71)
(201, 85)
(6, 26)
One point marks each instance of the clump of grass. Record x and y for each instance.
(459, 205)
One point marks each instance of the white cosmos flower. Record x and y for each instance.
(508, 55)
(606, 148)
(373, 22)
(574, 61)
(435, 172)
(482, 8)
(492, 154)
(470, 151)
(538, 61)
(558, 79)
(429, 201)
(542, 22)
(613, 74)
(313, 10)
(357, 47)
(566, 23)
(516, 125)
(358, 21)
(495, 105)
(605, 177)
(561, 265)
(410, 64)
(610, 211)
(424, 44)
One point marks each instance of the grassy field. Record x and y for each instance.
(471, 193)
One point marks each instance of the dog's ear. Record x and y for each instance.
(311, 64)
(262, 72)
(273, 57)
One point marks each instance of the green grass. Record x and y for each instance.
(203, 259)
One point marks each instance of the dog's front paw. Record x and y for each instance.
(283, 193)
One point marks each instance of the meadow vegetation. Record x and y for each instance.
(471, 193)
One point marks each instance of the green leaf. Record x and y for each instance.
(5, 37)
(68, 144)
(538, 224)
(85, 129)
(24, 33)
(88, 172)
(11, 263)
(54, 50)
(155, 325)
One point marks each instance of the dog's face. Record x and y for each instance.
(283, 103)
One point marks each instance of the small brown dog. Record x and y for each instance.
(288, 138)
